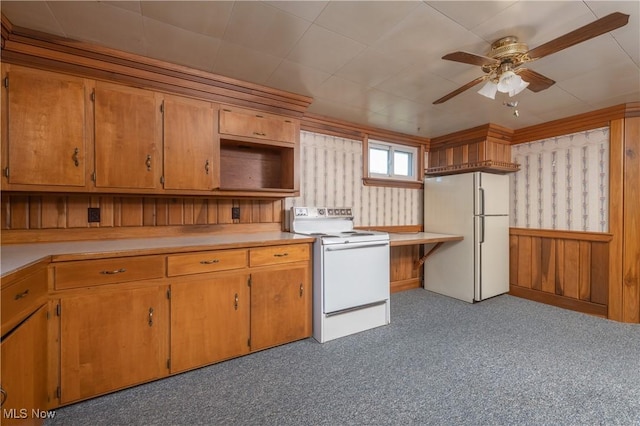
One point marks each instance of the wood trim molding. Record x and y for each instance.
(560, 301)
(331, 126)
(497, 134)
(576, 123)
(45, 51)
(565, 235)
(616, 218)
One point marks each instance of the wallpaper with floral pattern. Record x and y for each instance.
(563, 183)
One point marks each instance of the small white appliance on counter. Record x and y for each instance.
(476, 206)
(350, 272)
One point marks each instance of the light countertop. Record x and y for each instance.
(410, 238)
(17, 256)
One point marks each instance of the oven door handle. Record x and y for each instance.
(354, 246)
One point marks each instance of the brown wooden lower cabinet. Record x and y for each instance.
(112, 339)
(24, 371)
(209, 320)
(280, 296)
(209, 306)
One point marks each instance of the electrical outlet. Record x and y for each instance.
(235, 212)
(93, 214)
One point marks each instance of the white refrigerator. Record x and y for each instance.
(476, 206)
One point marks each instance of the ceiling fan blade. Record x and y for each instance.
(537, 82)
(461, 89)
(589, 31)
(470, 58)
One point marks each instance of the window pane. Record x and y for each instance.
(402, 163)
(378, 161)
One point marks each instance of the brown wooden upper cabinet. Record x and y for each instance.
(191, 144)
(45, 134)
(256, 124)
(128, 137)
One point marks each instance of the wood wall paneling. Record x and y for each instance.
(564, 268)
(631, 254)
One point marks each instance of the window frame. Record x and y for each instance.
(414, 181)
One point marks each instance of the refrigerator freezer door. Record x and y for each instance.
(492, 194)
(492, 256)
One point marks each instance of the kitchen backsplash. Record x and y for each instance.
(331, 175)
(563, 183)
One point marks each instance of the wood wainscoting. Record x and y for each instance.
(567, 269)
(29, 218)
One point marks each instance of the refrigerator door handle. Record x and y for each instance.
(481, 229)
(481, 201)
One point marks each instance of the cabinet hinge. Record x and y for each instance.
(58, 309)
(58, 392)
(6, 171)
(169, 364)
(168, 293)
(6, 82)
(93, 96)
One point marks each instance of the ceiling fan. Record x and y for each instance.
(502, 65)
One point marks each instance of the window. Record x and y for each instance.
(392, 161)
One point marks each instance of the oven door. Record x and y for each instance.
(355, 274)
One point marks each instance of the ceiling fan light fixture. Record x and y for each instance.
(489, 90)
(523, 85)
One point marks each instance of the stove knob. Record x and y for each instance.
(321, 212)
(349, 212)
(343, 212)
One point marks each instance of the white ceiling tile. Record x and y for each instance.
(258, 26)
(167, 42)
(308, 9)
(204, 17)
(364, 21)
(340, 90)
(612, 82)
(132, 6)
(33, 14)
(370, 68)
(96, 22)
(296, 78)
(244, 64)
(324, 49)
(470, 14)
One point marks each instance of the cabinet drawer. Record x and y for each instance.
(278, 254)
(206, 261)
(256, 124)
(107, 271)
(22, 297)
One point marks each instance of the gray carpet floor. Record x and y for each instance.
(504, 361)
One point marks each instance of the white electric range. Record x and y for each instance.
(350, 272)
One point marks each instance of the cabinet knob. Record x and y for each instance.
(235, 303)
(281, 254)
(148, 163)
(150, 317)
(206, 167)
(301, 290)
(259, 133)
(209, 262)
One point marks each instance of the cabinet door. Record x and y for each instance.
(191, 148)
(110, 340)
(46, 133)
(127, 137)
(280, 306)
(24, 371)
(257, 124)
(209, 320)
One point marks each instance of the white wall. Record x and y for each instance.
(563, 183)
(331, 175)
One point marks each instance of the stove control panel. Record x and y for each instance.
(320, 212)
